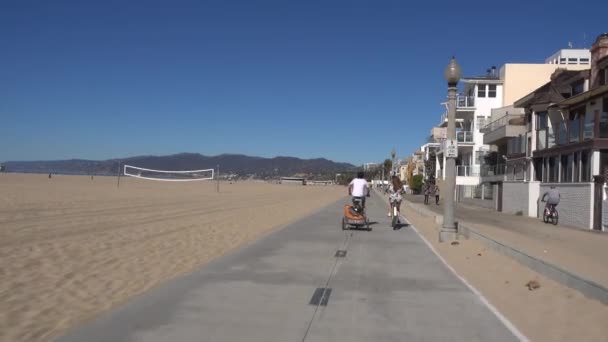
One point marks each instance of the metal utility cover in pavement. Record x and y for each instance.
(340, 253)
(321, 296)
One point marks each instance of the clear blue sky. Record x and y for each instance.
(344, 80)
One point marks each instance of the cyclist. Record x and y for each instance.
(553, 198)
(395, 190)
(358, 188)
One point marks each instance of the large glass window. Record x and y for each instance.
(585, 166)
(541, 120)
(589, 125)
(538, 169)
(575, 166)
(574, 130)
(553, 170)
(562, 133)
(604, 119)
(492, 90)
(578, 87)
(481, 90)
(566, 176)
(541, 140)
(551, 137)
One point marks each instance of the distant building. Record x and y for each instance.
(293, 180)
(370, 166)
(570, 57)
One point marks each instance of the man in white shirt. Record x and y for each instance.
(358, 187)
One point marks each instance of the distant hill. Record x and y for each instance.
(241, 165)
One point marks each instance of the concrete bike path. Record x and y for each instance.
(291, 286)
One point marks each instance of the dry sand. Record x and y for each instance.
(551, 313)
(71, 247)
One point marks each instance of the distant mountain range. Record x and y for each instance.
(237, 164)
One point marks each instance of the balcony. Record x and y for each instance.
(492, 170)
(464, 102)
(467, 170)
(465, 137)
(498, 131)
(465, 107)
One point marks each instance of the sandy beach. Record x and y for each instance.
(72, 247)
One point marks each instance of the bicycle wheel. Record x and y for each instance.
(555, 217)
(545, 216)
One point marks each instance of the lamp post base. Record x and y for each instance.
(448, 233)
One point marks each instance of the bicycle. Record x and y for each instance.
(550, 214)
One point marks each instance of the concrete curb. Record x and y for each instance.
(574, 281)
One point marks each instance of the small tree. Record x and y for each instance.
(416, 183)
(388, 166)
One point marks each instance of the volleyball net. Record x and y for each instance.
(169, 176)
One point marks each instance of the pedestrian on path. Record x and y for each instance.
(436, 194)
(427, 191)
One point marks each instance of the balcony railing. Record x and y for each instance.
(467, 170)
(500, 122)
(464, 101)
(492, 170)
(464, 136)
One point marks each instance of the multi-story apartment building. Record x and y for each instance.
(476, 98)
(504, 130)
(566, 144)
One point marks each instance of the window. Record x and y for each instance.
(584, 61)
(553, 170)
(603, 75)
(481, 90)
(562, 61)
(566, 169)
(541, 120)
(538, 169)
(541, 139)
(551, 137)
(604, 119)
(574, 129)
(572, 60)
(585, 167)
(481, 122)
(480, 157)
(492, 90)
(577, 87)
(575, 168)
(562, 133)
(588, 125)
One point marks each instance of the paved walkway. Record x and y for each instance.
(582, 252)
(389, 287)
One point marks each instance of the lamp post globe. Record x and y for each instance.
(452, 73)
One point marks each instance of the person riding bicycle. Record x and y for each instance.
(395, 190)
(358, 188)
(553, 198)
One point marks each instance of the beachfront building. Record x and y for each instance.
(477, 97)
(568, 144)
(504, 134)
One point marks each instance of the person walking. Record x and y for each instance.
(436, 195)
(427, 191)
